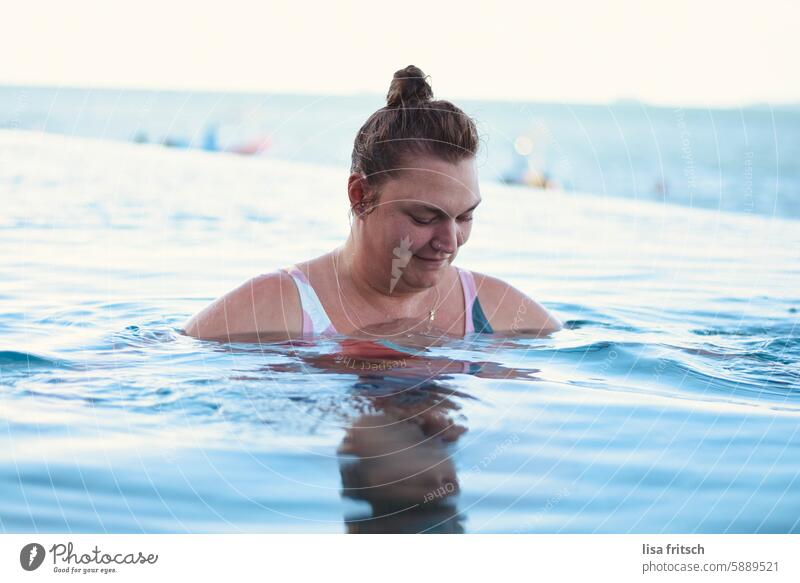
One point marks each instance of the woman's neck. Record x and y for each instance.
(356, 272)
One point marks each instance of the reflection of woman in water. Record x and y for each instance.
(401, 416)
(396, 459)
(413, 191)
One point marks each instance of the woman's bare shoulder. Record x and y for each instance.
(267, 303)
(511, 310)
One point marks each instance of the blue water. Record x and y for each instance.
(743, 160)
(669, 403)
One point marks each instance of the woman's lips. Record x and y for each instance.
(431, 261)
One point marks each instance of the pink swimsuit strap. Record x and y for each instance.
(470, 295)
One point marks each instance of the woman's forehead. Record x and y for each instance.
(434, 182)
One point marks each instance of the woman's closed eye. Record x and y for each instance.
(428, 221)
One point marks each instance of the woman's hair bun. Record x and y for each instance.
(408, 88)
(411, 124)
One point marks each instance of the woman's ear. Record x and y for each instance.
(360, 193)
(356, 189)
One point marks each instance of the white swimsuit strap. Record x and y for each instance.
(315, 319)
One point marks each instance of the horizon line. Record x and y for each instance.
(621, 100)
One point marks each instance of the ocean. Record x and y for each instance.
(668, 245)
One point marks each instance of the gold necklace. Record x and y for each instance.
(431, 312)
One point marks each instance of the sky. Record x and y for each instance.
(671, 53)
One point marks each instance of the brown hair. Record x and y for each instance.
(412, 123)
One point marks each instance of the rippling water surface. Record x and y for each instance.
(669, 403)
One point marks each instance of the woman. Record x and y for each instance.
(413, 190)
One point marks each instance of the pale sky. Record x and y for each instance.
(689, 53)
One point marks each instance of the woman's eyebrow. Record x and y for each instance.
(438, 211)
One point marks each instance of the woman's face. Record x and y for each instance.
(424, 214)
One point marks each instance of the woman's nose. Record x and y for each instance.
(446, 237)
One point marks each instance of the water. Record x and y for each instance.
(669, 403)
(742, 160)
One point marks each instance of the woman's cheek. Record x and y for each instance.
(420, 236)
(407, 238)
(464, 232)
